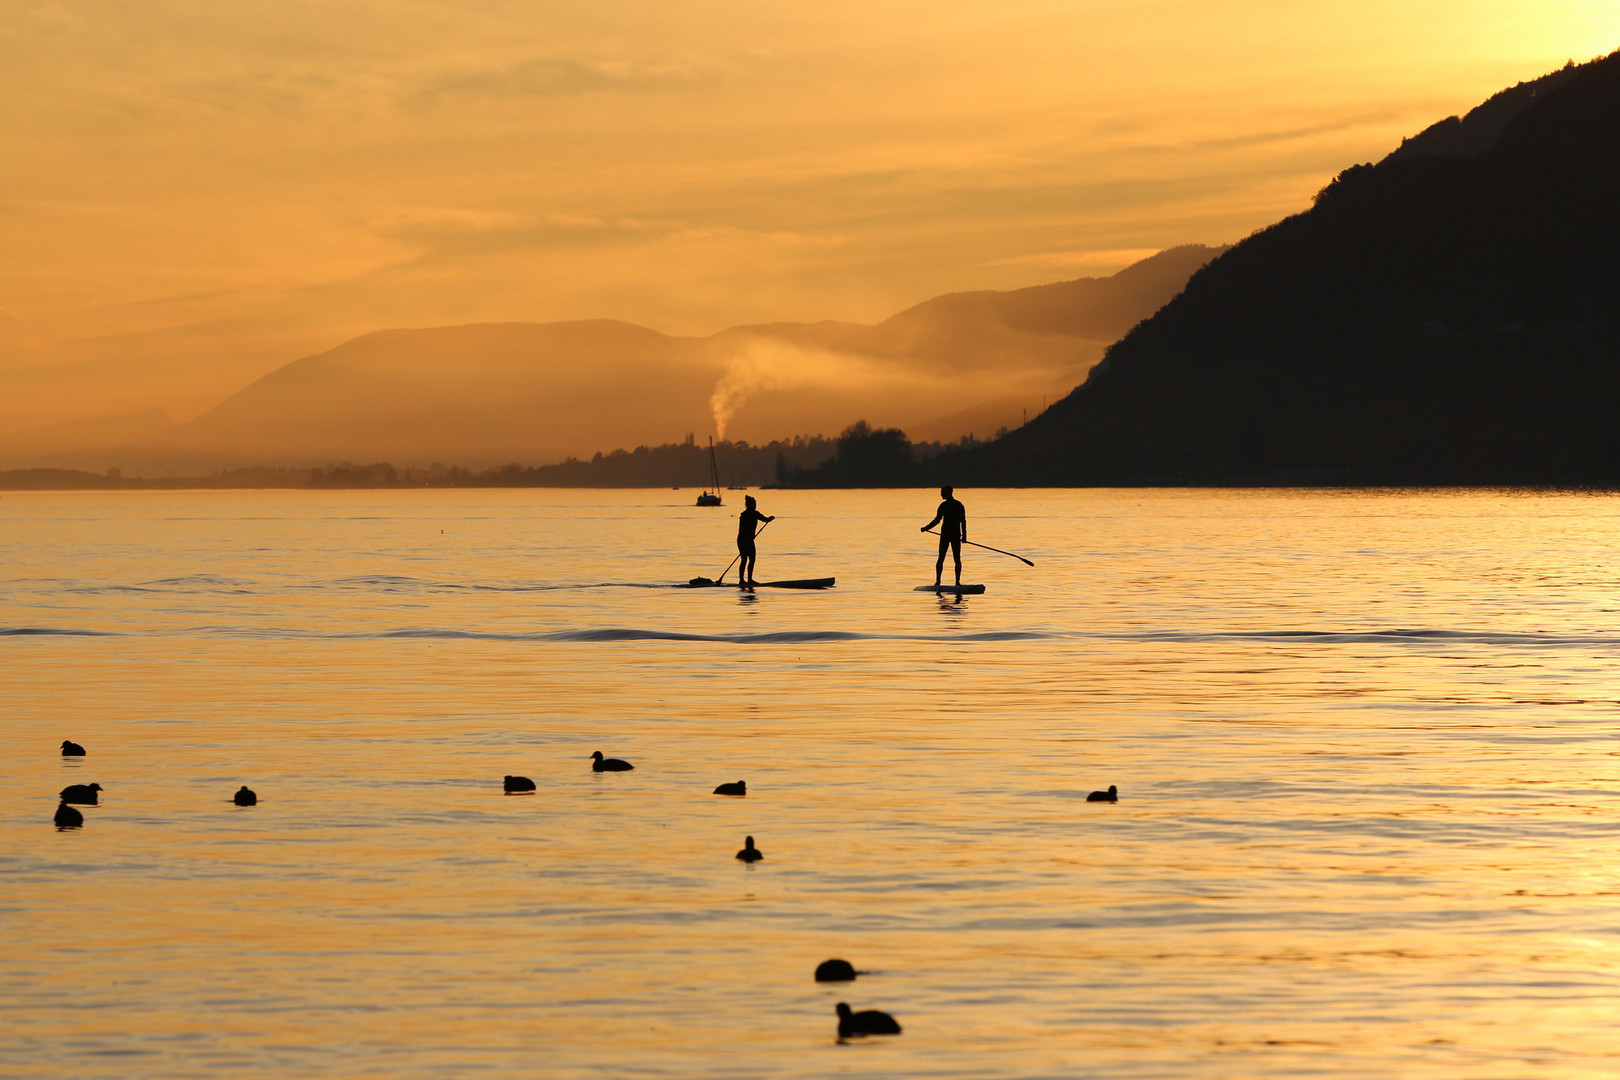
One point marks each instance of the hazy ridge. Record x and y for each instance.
(488, 394)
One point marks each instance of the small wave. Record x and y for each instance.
(1416, 638)
(51, 631)
(154, 590)
(191, 583)
(777, 637)
(1397, 636)
(387, 580)
(403, 583)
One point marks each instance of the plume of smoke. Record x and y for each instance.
(762, 364)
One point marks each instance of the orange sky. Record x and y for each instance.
(195, 194)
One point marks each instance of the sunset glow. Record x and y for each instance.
(890, 539)
(195, 196)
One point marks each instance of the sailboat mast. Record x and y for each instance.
(711, 494)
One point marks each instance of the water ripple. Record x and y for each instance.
(51, 631)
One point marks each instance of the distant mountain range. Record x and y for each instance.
(965, 363)
(1450, 315)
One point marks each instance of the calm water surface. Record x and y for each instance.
(1369, 795)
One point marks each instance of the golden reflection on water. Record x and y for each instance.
(1363, 743)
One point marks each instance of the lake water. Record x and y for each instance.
(1364, 743)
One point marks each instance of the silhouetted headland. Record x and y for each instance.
(1447, 316)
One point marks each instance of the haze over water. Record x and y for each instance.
(1363, 742)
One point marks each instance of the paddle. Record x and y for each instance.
(986, 547)
(721, 579)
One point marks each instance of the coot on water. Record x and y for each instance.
(612, 764)
(835, 971)
(865, 1022)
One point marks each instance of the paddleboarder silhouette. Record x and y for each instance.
(952, 521)
(748, 523)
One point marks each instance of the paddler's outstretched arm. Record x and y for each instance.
(937, 519)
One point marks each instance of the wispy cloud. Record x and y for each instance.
(398, 220)
(549, 76)
(444, 232)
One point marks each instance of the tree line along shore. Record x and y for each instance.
(861, 456)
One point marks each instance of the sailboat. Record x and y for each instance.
(711, 494)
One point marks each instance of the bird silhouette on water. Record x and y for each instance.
(835, 971)
(612, 764)
(81, 793)
(739, 788)
(518, 783)
(246, 796)
(1111, 795)
(750, 853)
(865, 1022)
(71, 749)
(67, 817)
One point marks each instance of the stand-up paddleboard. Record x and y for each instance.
(959, 590)
(801, 583)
